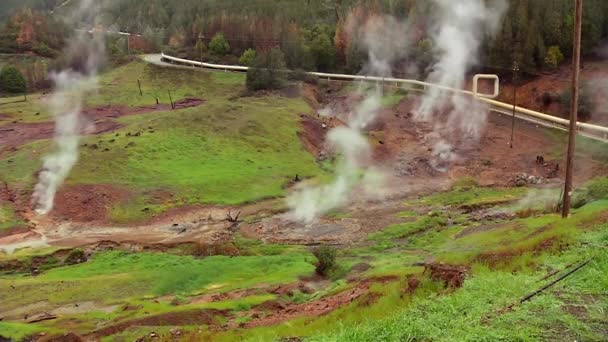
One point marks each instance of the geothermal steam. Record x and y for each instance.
(85, 54)
(459, 29)
(383, 38)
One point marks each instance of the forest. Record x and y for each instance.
(313, 34)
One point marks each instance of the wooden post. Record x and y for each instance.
(139, 85)
(171, 100)
(515, 70)
(576, 64)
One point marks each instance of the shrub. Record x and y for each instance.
(12, 81)
(326, 257)
(301, 75)
(248, 57)
(44, 51)
(594, 190)
(554, 57)
(219, 45)
(268, 71)
(586, 105)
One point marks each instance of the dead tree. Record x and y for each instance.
(234, 219)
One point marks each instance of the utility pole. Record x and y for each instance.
(576, 64)
(515, 70)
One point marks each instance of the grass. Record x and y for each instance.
(137, 279)
(474, 312)
(231, 150)
(384, 238)
(17, 109)
(585, 147)
(474, 196)
(155, 274)
(19, 331)
(152, 282)
(8, 219)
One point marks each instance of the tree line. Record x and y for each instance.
(311, 34)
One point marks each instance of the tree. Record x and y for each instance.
(12, 81)
(219, 45)
(322, 48)
(355, 57)
(248, 57)
(200, 47)
(268, 71)
(554, 57)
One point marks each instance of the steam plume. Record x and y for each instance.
(460, 27)
(85, 54)
(384, 40)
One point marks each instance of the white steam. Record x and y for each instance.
(85, 54)
(384, 39)
(459, 29)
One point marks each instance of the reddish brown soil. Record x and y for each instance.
(490, 160)
(87, 202)
(194, 317)
(412, 284)
(273, 313)
(531, 90)
(15, 134)
(452, 276)
(494, 259)
(313, 132)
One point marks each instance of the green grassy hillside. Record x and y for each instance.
(230, 150)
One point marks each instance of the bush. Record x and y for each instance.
(12, 81)
(248, 57)
(44, 51)
(268, 71)
(219, 45)
(326, 257)
(594, 190)
(554, 57)
(586, 105)
(301, 75)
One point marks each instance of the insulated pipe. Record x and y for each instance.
(601, 130)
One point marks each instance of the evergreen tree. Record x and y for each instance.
(12, 81)
(268, 71)
(219, 45)
(248, 57)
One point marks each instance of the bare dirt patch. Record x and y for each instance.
(87, 202)
(193, 317)
(452, 276)
(280, 313)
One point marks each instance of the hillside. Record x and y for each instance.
(144, 197)
(148, 225)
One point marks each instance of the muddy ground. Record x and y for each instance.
(401, 147)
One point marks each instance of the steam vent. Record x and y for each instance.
(253, 170)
